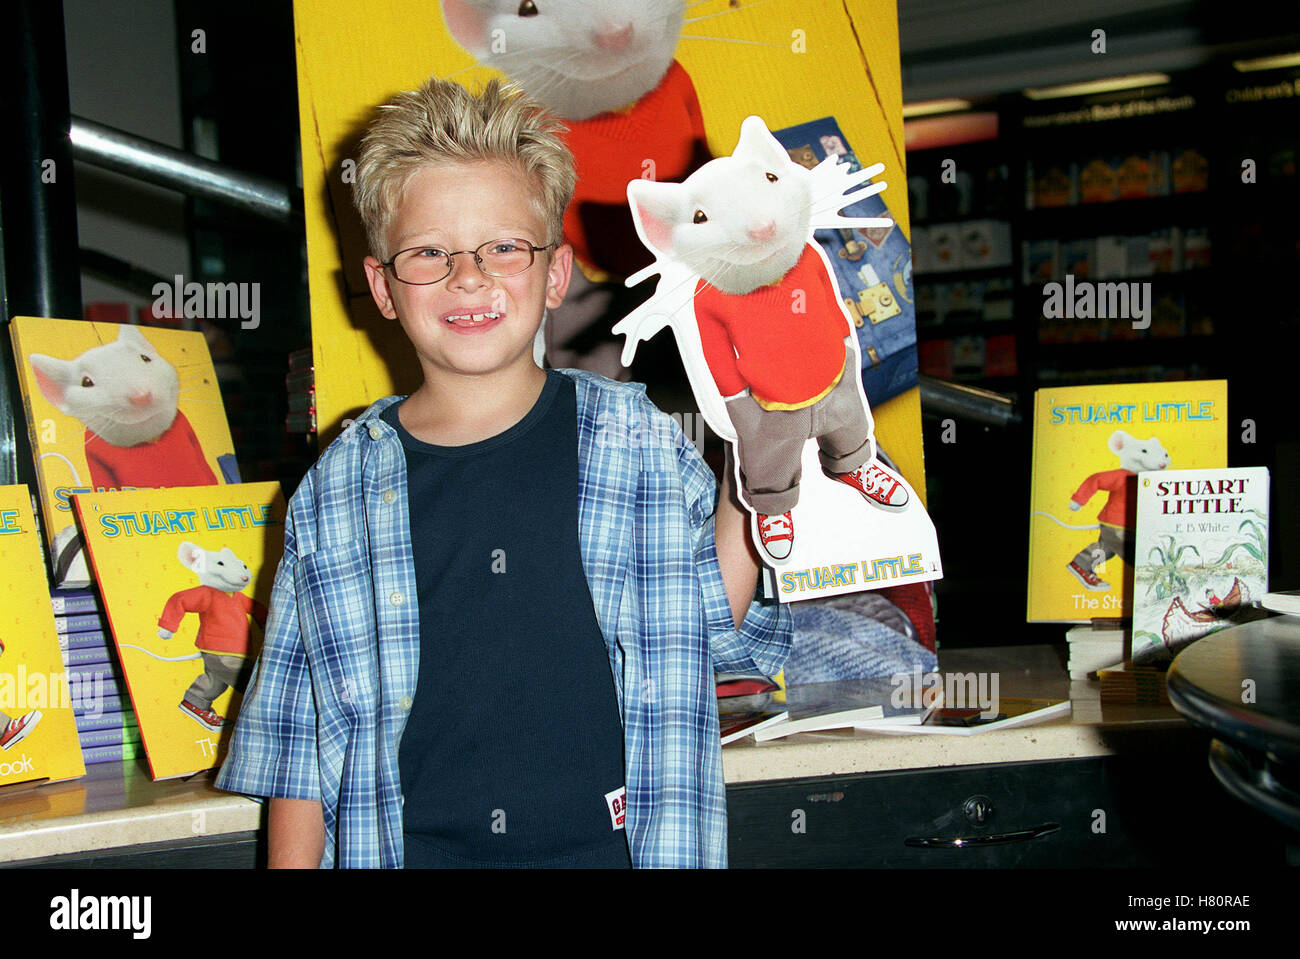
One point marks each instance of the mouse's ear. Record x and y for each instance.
(467, 24)
(52, 379)
(656, 209)
(132, 337)
(1118, 440)
(189, 554)
(757, 143)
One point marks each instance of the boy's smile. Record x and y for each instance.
(469, 323)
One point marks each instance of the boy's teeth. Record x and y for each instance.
(473, 317)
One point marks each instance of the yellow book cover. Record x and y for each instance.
(1090, 442)
(114, 406)
(186, 575)
(38, 736)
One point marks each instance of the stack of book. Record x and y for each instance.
(1099, 645)
(1131, 684)
(106, 726)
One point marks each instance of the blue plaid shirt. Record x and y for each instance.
(328, 701)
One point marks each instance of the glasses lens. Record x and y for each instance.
(426, 265)
(505, 257)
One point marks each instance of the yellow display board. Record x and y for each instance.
(789, 61)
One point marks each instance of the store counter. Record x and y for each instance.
(840, 798)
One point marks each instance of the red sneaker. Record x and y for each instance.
(204, 717)
(1089, 579)
(877, 484)
(18, 729)
(776, 533)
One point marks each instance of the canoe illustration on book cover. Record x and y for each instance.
(186, 575)
(1090, 444)
(1202, 556)
(114, 406)
(38, 735)
(773, 357)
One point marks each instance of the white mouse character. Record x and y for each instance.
(125, 395)
(223, 610)
(607, 69)
(1118, 515)
(772, 328)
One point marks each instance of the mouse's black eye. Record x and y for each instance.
(772, 178)
(528, 9)
(87, 381)
(221, 562)
(147, 359)
(700, 217)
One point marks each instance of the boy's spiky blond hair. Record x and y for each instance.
(444, 122)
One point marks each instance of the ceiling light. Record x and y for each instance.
(925, 108)
(1267, 63)
(1098, 86)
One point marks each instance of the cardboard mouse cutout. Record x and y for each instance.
(770, 351)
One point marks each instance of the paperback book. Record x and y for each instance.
(185, 576)
(1090, 444)
(1202, 554)
(38, 736)
(113, 406)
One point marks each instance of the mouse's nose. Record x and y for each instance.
(762, 232)
(614, 39)
(140, 397)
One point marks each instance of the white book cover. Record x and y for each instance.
(1202, 555)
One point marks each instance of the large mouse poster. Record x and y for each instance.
(186, 578)
(38, 735)
(1090, 444)
(114, 406)
(649, 89)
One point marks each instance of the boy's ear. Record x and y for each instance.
(377, 277)
(558, 275)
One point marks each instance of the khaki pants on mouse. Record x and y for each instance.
(219, 674)
(769, 443)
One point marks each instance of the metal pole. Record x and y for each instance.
(39, 204)
(940, 398)
(175, 169)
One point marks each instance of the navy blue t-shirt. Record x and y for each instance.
(514, 740)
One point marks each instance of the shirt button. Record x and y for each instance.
(396, 598)
(405, 703)
(389, 496)
(375, 432)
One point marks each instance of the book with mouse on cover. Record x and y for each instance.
(1090, 444)
(115, 406)
(1202, 556)
(38, 735)
(186, 578)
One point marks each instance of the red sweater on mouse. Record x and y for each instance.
(223, 618)
(786, 349)
(665, 127)
(173, 459)
(1116, 483)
